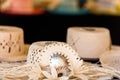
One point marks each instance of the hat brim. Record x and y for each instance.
(18, 58)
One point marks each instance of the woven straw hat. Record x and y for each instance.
(111, 58)
(12, 47)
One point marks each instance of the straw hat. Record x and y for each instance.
(111, 58)
(12, 47)
(89, 42)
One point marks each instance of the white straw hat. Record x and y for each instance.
(89, 42)
(111, 58)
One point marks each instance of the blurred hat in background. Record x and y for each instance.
(21, 7)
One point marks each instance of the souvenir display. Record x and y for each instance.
(52, 60)
(55, 60)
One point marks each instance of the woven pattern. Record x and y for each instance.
(41, 52)
(11, 42)
(41, 65)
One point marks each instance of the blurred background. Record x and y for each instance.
(50, 19)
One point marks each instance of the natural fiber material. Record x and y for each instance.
(111, 58)
(12, 47)
(89, 42)
(42, 52)
(46, 68)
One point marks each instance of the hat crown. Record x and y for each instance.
(11, 42)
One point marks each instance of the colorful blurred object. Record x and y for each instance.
(28, 7)
(61, 7)
(108, 7)
(70, 7)
(21, 7)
